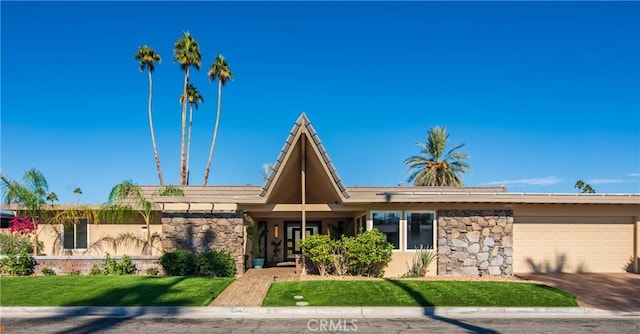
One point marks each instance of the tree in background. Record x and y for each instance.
(584, 188)
(78, 193)
(147, 58)
(436, 166)
(187, 53)
(220, 71)
(193, 97)
(31, 196)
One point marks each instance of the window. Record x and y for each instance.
(75, 235)
(420, 229)
(388, 222)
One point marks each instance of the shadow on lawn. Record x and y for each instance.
(429, 309)
(107, 315)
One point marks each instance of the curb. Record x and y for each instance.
(220, 312)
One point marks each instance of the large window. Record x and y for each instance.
(388, 222)
(75, 235)
(419, 229)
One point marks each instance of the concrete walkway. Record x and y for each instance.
(252, 287)
(614, 292)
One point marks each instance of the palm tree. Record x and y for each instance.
(147, 58)
(125, 201)
(52, 197)
(193, 97)
(30, 195)
(588, 189)
(584, 188)
(78, 192)
(187, 53)
(219, 70)
(436, 166)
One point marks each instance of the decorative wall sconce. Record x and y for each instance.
(276, 231)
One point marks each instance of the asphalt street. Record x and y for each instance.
(435, 324)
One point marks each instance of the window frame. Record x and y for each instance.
(434, 221)
(400, 233)
(75, 235)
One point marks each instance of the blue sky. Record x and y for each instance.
(542, 93)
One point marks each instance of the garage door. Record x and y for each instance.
(572, 247)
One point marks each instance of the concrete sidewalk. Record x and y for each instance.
(311, 312)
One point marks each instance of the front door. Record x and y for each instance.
(293, 235)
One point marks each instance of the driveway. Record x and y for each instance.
(616, 292)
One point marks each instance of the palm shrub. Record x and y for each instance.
(216, 264)
(319, 250)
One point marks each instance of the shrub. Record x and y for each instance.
(318, 249)
(216, 264)
(95, 270)
(48, 271)
(340, 260)
(178, 263)
(22, 225)
(15, 244)
(421, 261)
(368, 253)
(21, 264)
(152, 271)
(112, 267)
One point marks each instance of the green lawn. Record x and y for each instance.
(110, 290)
(416, 293)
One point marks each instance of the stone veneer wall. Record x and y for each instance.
(200, 232)
(475, 242)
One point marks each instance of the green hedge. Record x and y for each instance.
(185, 263)
(366, 254)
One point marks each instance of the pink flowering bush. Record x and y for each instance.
(22, 225)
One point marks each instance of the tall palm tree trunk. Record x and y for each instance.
(215, 134)
(153, 135)
(189, 141)
(183, 167)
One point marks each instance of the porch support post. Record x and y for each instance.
(303, 182)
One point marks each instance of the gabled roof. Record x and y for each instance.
(316, 153)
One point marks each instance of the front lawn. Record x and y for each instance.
(416, 293)
(110, 290)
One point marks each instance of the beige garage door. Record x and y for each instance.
(571, 247)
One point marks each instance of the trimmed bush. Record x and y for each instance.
(216, 264)
(178, 263)
(368, 253)
(318, 249)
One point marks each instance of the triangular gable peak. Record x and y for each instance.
(303, 150)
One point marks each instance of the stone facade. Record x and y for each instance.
(82, 264)
(475, 242)
(201, 232)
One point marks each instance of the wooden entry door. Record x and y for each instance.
(293, 235)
